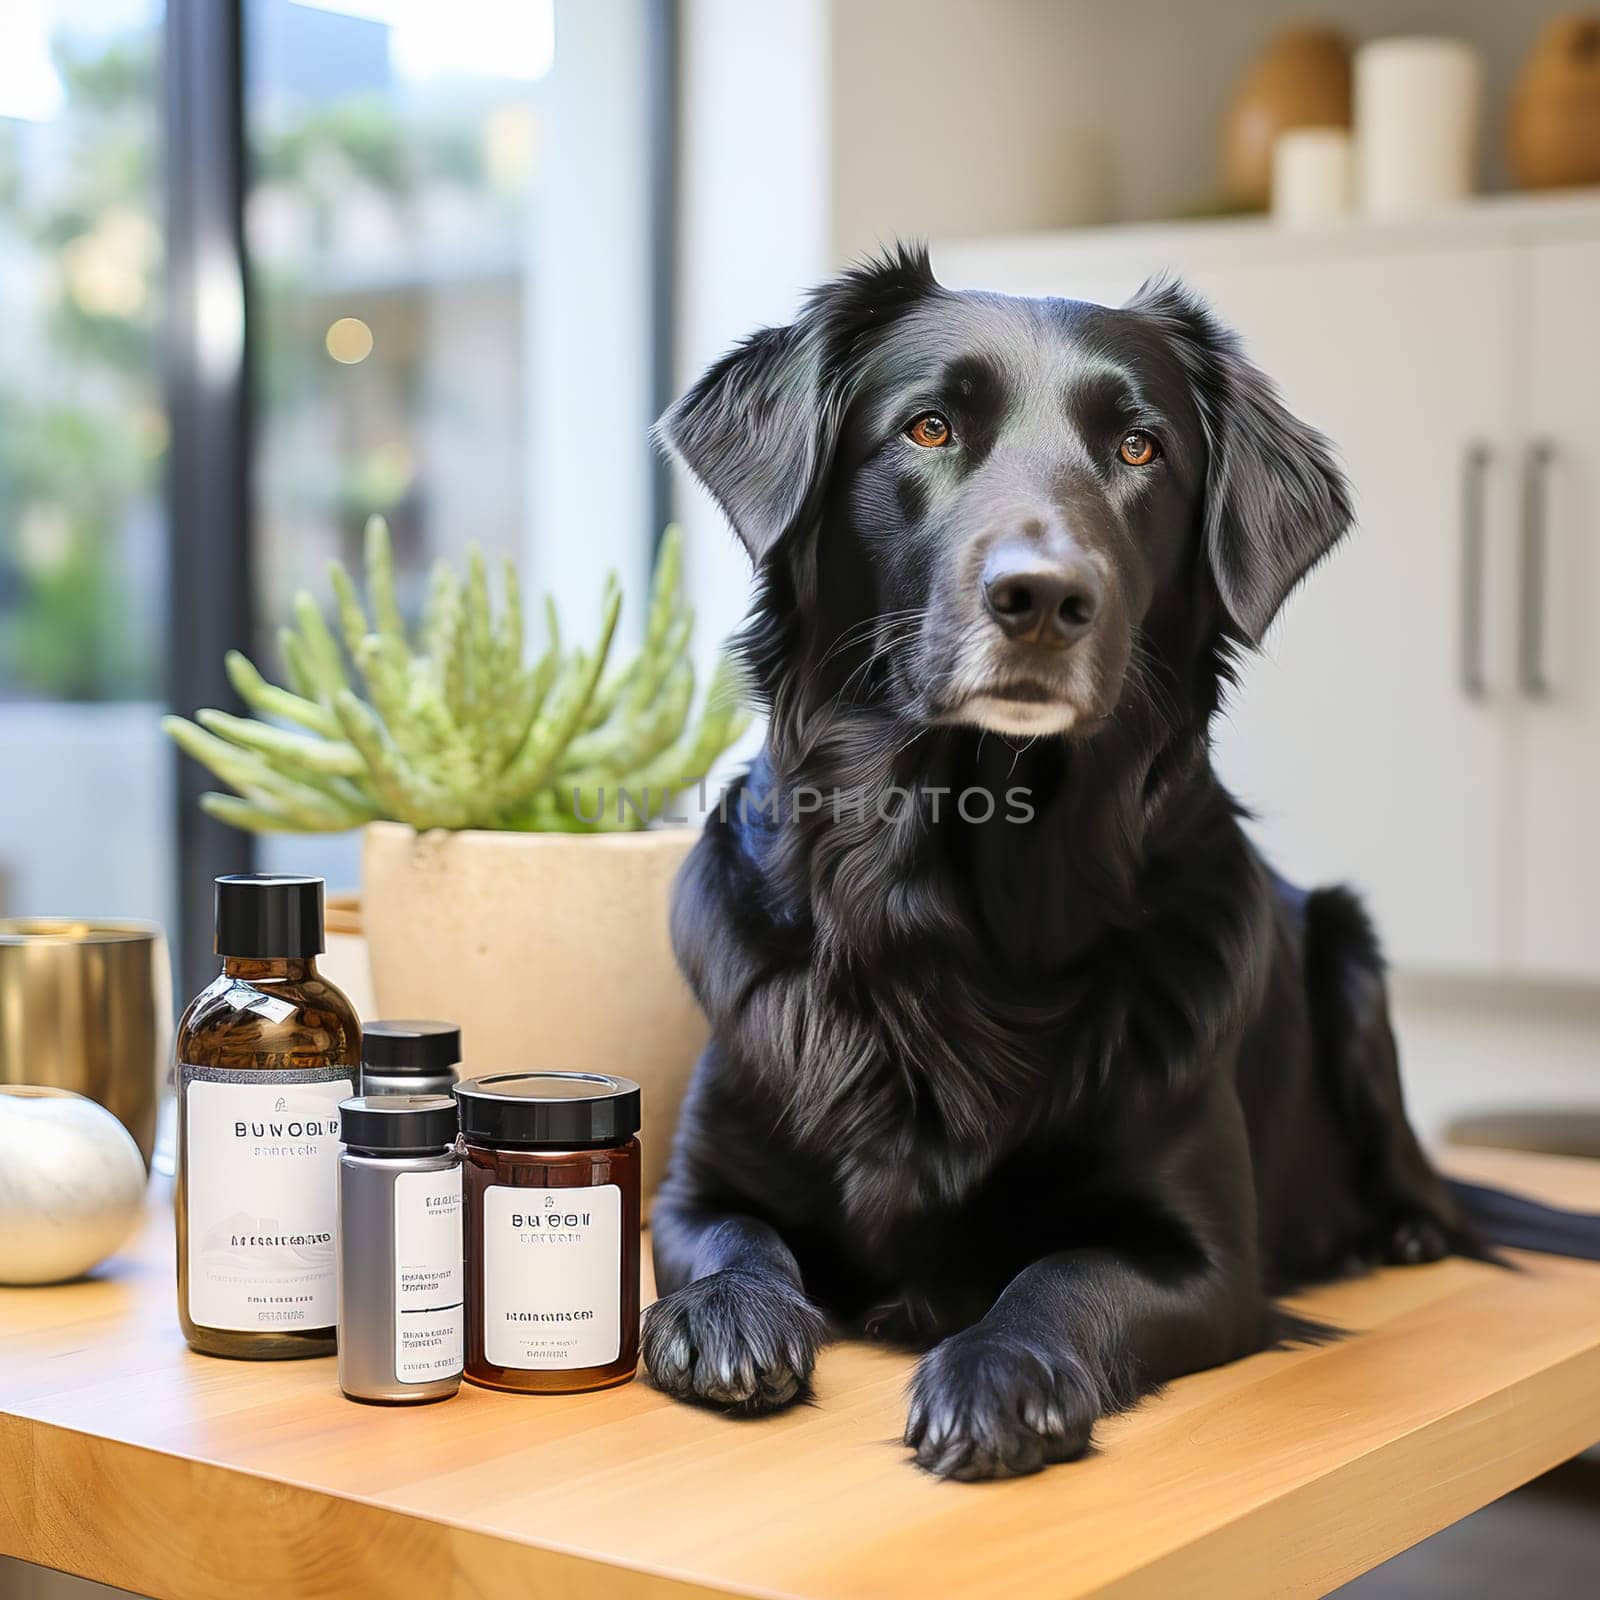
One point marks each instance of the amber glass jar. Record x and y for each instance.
(551, 1169)
(264, 1056)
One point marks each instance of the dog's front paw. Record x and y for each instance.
(1413, 1238)
(743, 1340)
(986, 1406)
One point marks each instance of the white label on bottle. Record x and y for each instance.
(552, 1276)
(261, 1154)
(427, 1275)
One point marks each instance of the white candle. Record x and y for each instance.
(1416, 118)
(1311, 175)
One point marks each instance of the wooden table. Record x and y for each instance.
(124, 1457)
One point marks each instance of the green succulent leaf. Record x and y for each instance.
(460, 731)
(268, 700)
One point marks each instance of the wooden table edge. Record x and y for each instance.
(1212, 1564)
(410, 1543)
(1536, 1426)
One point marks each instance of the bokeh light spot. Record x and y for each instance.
(349, 340)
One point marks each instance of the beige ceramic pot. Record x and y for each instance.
(550, 950)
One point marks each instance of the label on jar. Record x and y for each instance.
(552, 1276)
(260, 1156)
(427, 1275)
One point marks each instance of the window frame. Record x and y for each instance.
(209, 385)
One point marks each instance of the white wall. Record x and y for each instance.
(753, 227)
(588, 315)
(951, 118)
(1467, 1048)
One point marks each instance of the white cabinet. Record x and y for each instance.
(1393, 736)
(1343, 731)
(1557, 900)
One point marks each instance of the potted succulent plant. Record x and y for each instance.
(510, 878)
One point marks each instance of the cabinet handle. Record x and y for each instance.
(1535, 508)
(1474, 476)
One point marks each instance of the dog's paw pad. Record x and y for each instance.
(739, 1340)
(1416, 1239)
(985, 1407)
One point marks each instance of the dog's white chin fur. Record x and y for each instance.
(1024, 719)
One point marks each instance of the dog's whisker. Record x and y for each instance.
(893, 628)
(889, 640)
(1146, 675)
(901, 749)
(860, 631)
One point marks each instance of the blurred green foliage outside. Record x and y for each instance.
(82, 436)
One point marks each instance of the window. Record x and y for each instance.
(85, 775)
(452, 320)
(447, 230)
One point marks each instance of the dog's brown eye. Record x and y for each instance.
(930, 430)
(1137, 449)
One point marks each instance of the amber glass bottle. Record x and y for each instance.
(265, 1055)
(551, 1170)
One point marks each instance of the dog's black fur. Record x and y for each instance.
(1066, 1100)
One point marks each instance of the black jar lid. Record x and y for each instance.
(398, 1122)
(268, 914)
(410, 1045)
(562, 1109)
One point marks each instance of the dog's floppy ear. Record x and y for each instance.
(760, 428)
(1275, 500)
(758, 432)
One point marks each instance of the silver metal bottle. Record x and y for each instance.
(400, 1267)
(409, 1056)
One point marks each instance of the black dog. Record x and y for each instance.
(1020, 1053)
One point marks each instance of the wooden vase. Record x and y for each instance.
(1553, 130)
(1302, 80)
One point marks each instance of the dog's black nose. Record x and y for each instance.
(1039, 601)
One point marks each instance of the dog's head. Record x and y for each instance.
(980, 504)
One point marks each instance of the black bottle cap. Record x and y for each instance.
(561, 1109)
(409, 1045)
(398, 1122)
(268, 914)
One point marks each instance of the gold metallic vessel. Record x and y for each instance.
(87, 1005)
